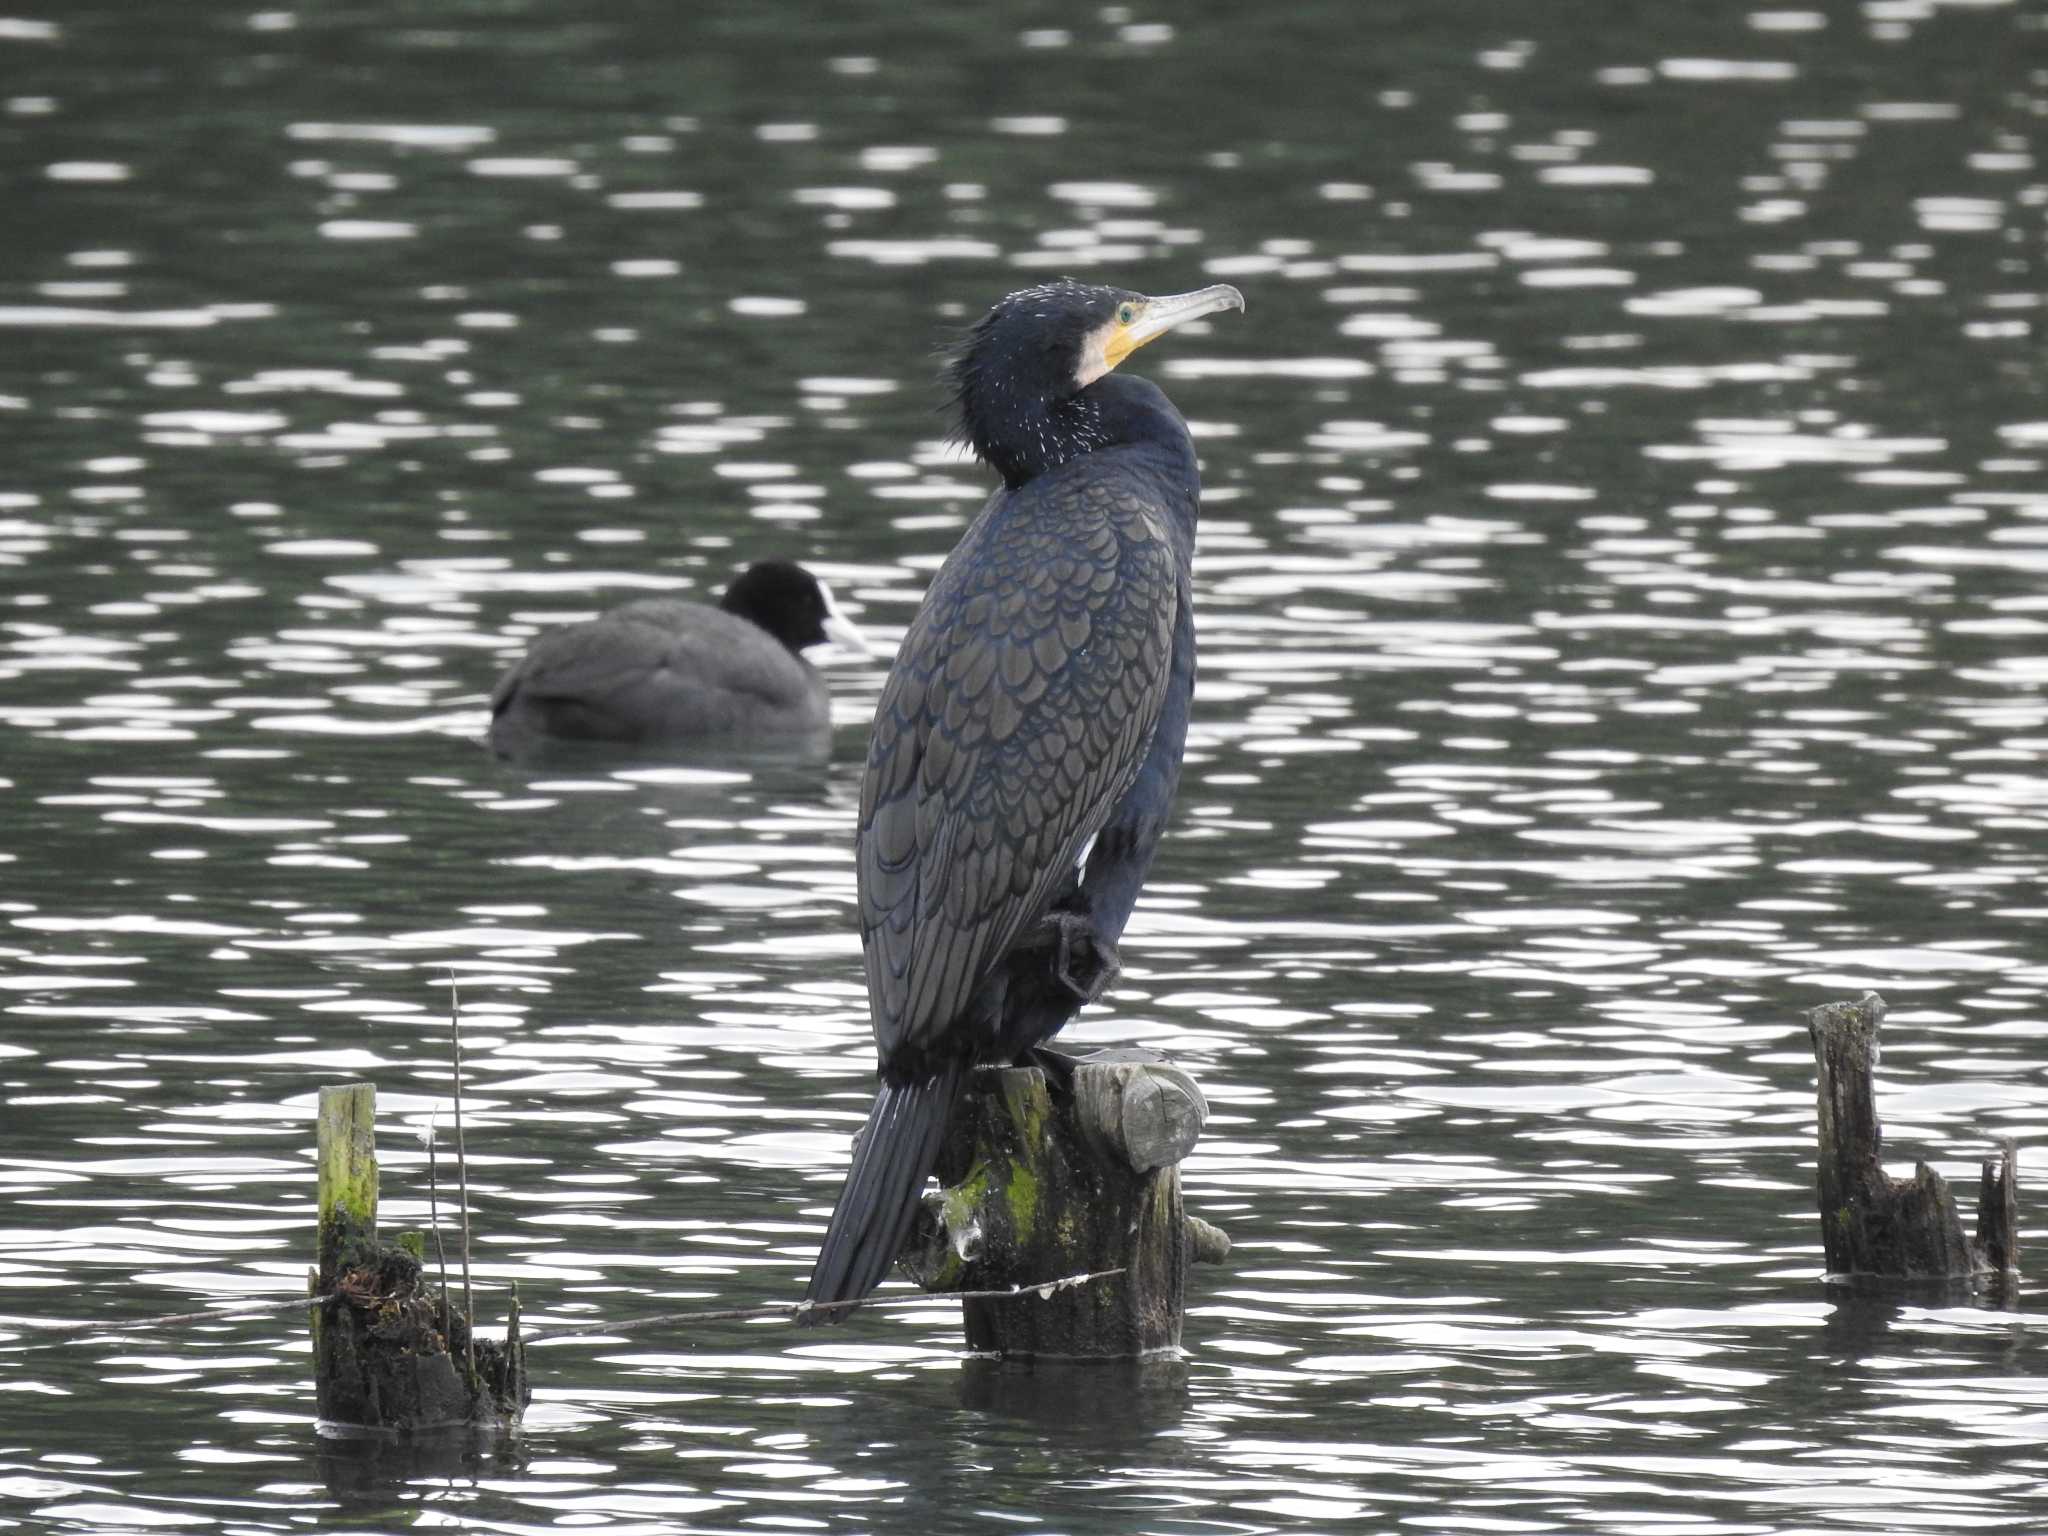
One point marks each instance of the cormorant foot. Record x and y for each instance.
(1085, 965)
(1057, 1066)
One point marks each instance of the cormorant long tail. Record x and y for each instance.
(875, 1210)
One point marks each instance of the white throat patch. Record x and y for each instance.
(1094, 355)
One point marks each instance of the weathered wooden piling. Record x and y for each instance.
(389, 1352)
(1042, 1182)
(1879, 1226)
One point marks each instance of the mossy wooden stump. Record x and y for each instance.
(1042, 1182)
(1873, 1225)
(389, 1351)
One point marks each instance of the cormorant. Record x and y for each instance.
(1028, 740)
(663, 672)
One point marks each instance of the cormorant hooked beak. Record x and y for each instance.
(1141, 320)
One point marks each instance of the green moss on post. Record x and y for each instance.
(346, 1138)
(1043, 1183)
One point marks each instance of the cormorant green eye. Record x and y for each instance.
(1126, 312)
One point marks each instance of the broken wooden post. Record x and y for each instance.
(385, 1344)
(1873, 1224)
(1040, 1183)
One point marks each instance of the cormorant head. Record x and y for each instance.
(1021, 376)
(795, 607)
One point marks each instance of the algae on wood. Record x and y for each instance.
(346, 1141)
(1876, 1225)
(1042, 1183)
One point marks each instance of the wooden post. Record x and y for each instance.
(1875, 1225)
(383, 1358)
(346, 1142)
(1041, 1183)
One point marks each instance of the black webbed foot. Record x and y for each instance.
(1084, 962)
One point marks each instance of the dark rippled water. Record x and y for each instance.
(1623, 626)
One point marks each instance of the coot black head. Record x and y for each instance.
(1025, 379)
(783, 598)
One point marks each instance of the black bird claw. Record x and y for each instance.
(1058, 1067)
(1085, 965)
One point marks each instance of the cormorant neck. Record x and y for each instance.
(1021, 444)
(1024, 446)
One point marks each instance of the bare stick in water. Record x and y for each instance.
(797, 1311)
(462, 1171)
(787, 1311)
(434, 1212)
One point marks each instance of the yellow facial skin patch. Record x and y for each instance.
(1139, 320)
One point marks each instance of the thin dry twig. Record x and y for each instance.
(462, 1174)
(241, 1311)
(434, 1212)
(794, 1311)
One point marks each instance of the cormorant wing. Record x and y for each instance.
(1020, 707)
